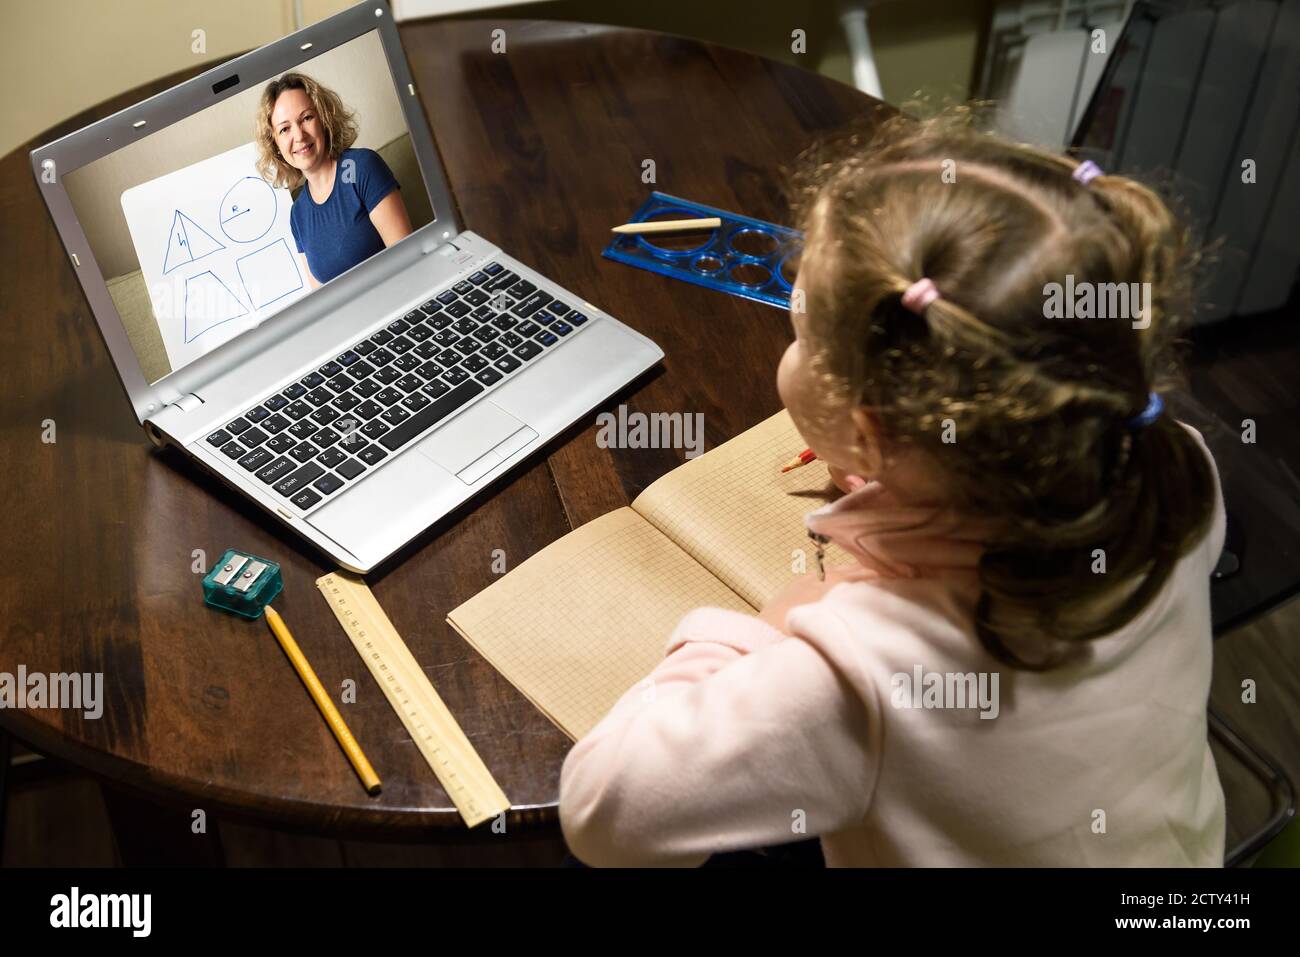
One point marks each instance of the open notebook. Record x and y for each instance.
(586, 618)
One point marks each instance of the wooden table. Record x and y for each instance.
(544, 150)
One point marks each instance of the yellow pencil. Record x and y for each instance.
(369, 779)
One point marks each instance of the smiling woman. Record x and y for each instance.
(350, 207)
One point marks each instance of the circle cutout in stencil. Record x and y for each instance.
(752, 242)
(750, 274)
(707, 264)
(676, 244)
(788, 271)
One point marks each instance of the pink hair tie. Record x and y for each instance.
(919, 295)
(1086, 172)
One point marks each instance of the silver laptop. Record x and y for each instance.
(357, 412)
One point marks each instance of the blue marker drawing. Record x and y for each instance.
(269, 274)
(208, 303)
(247, 211)
(187, 242)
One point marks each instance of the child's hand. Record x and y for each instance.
(805, 590)
(844, 481)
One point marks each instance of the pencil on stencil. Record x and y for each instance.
(803, 458)
(669, 225)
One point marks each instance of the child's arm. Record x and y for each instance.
(741, 738)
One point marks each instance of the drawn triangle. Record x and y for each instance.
(178, 247)
(199, 241)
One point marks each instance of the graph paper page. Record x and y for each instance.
(739, 516)
(586, 618)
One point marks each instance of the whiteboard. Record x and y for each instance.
(215, 251)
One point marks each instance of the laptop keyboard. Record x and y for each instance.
(311, 439)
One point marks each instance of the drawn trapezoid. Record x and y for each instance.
(208, 303)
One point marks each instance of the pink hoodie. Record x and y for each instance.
(749, 737)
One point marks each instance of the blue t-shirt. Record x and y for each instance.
(337, 234)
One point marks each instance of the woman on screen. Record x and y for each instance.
(350, 206)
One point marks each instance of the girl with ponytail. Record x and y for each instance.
(1014, 669)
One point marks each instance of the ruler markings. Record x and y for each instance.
(440, 739)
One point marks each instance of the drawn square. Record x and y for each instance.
(269, 274)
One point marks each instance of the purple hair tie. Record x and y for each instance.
(1086, 172)
(919, 295)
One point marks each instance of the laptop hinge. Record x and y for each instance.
(160, 426)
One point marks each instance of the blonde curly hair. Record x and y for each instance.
(338, 122)
(1040, 405)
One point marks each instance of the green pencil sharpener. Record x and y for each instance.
(242, 583)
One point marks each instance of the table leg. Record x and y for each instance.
(6, 755)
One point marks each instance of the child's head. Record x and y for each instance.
(986, 399)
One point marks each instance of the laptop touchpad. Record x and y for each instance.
(469, 438)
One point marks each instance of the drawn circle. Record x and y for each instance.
(247, 211)
(707, 264)
(788, 270)
(750, 274)
(752, 243)
(675, 244)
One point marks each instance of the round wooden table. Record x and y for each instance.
(544, 149)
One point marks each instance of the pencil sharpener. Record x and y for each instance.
(242, 583)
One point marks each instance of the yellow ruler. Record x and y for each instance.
(460, 770)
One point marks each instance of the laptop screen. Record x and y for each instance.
(205, 229)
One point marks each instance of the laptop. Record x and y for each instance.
(358, 408)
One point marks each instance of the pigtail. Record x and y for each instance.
(1094, 513)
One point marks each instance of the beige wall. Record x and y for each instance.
(59, 57)
(925, 47)
(355, 71)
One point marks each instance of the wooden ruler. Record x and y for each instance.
(460, 770)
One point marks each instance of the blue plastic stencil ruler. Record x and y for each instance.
(745, 257)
